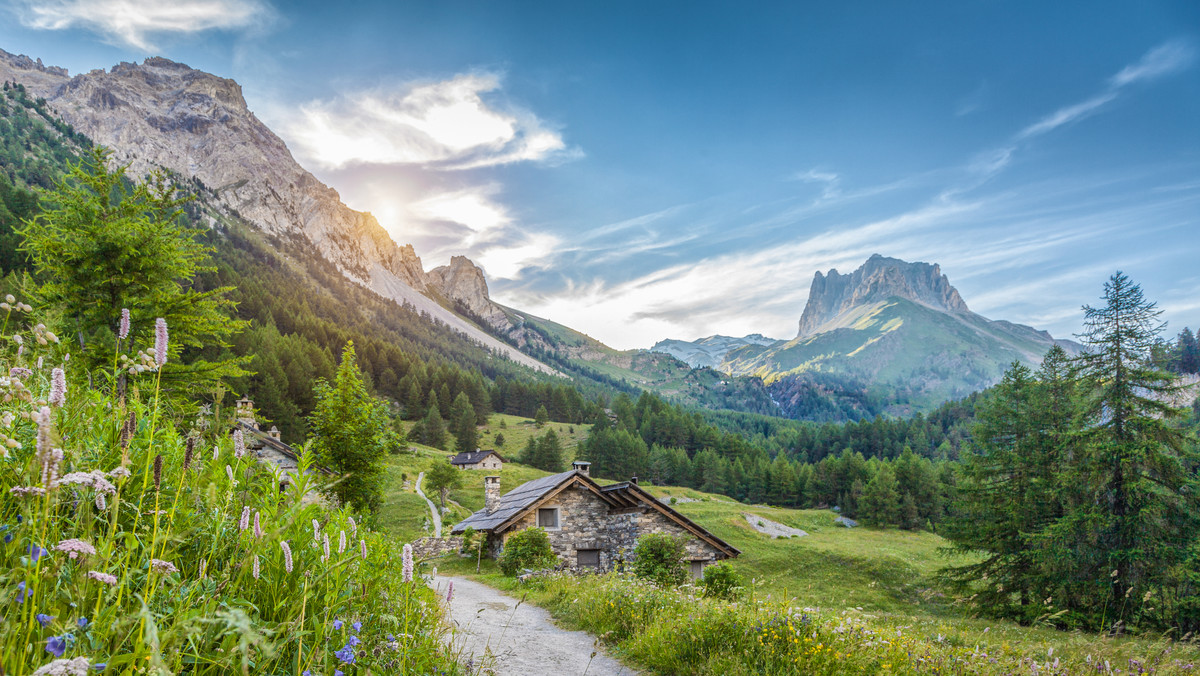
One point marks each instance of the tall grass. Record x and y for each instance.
(677, 631)
(148, 551)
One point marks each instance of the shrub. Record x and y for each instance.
(721, 581)
(659, 557)
(529, 548)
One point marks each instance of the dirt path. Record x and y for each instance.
(433, 510)
(519, 640)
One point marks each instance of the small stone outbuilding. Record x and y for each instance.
(478, 459)
(589, 525)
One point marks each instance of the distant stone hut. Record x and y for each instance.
(267, 445)
(589, 525)
(478, 459)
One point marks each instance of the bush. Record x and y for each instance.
(721, 581)
(658, 557)
(529, 548)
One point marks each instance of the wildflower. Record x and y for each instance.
(75, 547)
(158, 471)
(102, 577)
(353, 641)
(27, 490)
(337, 625)
(362, 544)
(163, 566)
(123, 327)
(229, 473)
(43, 619)
(82, 622)
(216, 452)
(254, 571)
(338, 672)
(119, 473)
(50, 463)
(316, 532)
(58, 387)
(346, 654)
(406, 559)
(239, 444)
(450, 592)
(258, 531)
(21, 593)
(203, 567)
(353, 526)
(187, 455)
(77, 666)
(325, 547)
(19, 372)
(160, 341)
(245, 521)
(342, 542)
(287, 556)
(36, 552)
(57, 645)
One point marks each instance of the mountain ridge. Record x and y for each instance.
(164, 114)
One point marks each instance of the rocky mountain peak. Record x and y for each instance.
(879, 278)
(463, 281)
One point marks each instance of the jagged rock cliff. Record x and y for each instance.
(878, 279)
(165, 114)
(464, 282)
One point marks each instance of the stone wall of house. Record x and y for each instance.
(429, 547)
(585, 522)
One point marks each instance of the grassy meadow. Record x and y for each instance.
(868, 597)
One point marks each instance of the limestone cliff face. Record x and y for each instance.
(877, 279)
(165, 114)
(464, 282)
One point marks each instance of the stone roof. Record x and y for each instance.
(472, 457)
(513, 502)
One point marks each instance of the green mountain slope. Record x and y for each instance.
(904, 354)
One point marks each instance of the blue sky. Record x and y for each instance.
(643, 170)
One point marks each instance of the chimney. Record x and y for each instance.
(633, 480)
(491, 493)
(584, 468)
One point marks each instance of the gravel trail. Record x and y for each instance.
(519, 640)
(433, 510)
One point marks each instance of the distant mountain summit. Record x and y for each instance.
(880, 278)
(709, 351)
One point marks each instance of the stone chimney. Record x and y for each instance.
(633, 480)
(491, 493)
(583, 467)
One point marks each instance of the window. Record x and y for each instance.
(547, 518)
(588, 558)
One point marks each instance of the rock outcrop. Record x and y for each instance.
(879, 278)
(462, 281)
(163, 114)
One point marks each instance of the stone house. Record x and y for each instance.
(589, 525)
(478, 459)
(267, 446)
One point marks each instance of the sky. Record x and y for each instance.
(641, 171)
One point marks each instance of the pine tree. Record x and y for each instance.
(351, 430)
(541, 417)
(880, 505)
(462, 424)
(433, 429)
(1138, 461)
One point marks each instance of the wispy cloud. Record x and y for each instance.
(1167, 58)
(829, 179)
(133, 22)
(454, 124)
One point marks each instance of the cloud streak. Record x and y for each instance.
(445, 125)
(133, 22)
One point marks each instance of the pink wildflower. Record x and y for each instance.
(406, 560)
(450, 592)
(254, 571)
(325, 546)
(77, 666)
(123, 328)
(353, 526)
(119, 473)
(163, 566)
(287, 555)
(75, 547)
(363, 546)
(258, 531)
(27, 490)
(102, 577)
(229, 473)
(58, 387)
(101, 503)
(239, 444)
(342, 542)
(160, 341)
(316, 531)
(245, 522)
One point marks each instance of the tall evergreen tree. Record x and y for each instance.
(880, 504)
(462, 424)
